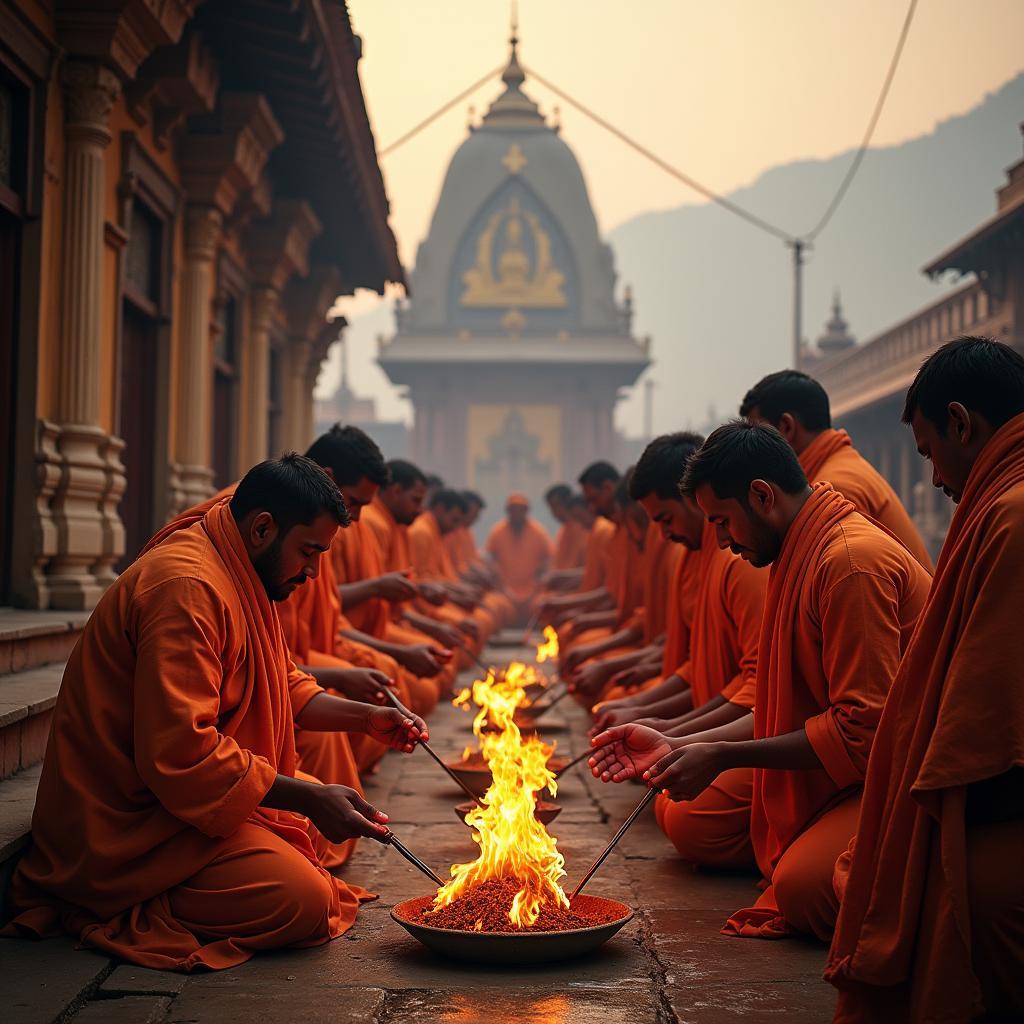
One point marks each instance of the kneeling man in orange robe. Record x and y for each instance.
(842, 601)
(931, 926)
(521, 551)
(170, 828)
(798, 407)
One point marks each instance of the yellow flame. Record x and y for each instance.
(548, 650)
(513, 843)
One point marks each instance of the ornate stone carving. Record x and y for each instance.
(505, 273)
(222, 155)
(90, 92)
(49, 468)
(121, 33)
(112, 527)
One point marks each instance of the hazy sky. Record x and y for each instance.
(724, 90)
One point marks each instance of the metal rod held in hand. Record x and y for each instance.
(648, 797)
(392, 840)
(426, 746)
(535, 711)
(575, 761)
(529, 627)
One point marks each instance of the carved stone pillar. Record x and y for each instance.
(83, 529)
(298, 400)
(262, 307)
(193, 432)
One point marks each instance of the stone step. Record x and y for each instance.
(29, 639)
(17, 799)
(26, 710)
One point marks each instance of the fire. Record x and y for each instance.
(548, 650)
(513, 843)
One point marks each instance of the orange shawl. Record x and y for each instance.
(831, 458)
(355, 555)
(679, 620)
(726, 624)
(955, 717)
(596, 565)
(570, 546)
(784, 802)
(184, 665)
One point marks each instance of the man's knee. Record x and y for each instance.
(707, 839)
(303, 903)
(805, 895)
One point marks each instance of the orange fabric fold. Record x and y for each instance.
(682, 596)
(355, 556)
(570, 546)
(598, 555)
(842, 600)
(955, 717)
(174, 718)
(726, 624)
(832, 458)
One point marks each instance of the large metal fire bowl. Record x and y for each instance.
(545, 812)
(478, 777)
(514, 947)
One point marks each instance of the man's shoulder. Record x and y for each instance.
(186, 560)
(857, 545)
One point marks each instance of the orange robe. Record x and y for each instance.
(570, 546)
(431, 560)
(598, 555)
(932, 920)
(461, 547)
(520, 558)
(355, 556)
(174, 719)
(334, 758)
(843, 599)
(727, 614)
(831, 458)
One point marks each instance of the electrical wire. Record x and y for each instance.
(692, 183)
(866, 141)
(392, 146)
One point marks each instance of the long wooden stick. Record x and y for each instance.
(426, 746)
(648, 797)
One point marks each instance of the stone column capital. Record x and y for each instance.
(90, 92)
(203, 226)
(262, 306)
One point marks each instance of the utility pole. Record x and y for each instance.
(798, 246)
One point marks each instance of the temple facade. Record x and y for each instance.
(513, 347)
(867, 383)
(185, 188)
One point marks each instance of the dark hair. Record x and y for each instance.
(736, 454)
(448, 498)
(350, 454)
(405, 474)
(793, 392)
(598, 473)
(985, 376)
(576, 501)
(661, 466)
(293, 489)
(558, 492)
(434, 481)
(472, 498)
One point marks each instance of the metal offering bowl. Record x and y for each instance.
(478, 776)
(544, 812)
(514, 947)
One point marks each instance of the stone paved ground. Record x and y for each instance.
(670, 964)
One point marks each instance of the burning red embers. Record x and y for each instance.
(485, 908)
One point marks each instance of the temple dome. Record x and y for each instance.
(513, 245)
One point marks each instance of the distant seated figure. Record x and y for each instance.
(521, 551)
(170, 828)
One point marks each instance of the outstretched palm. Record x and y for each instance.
(626, 752)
